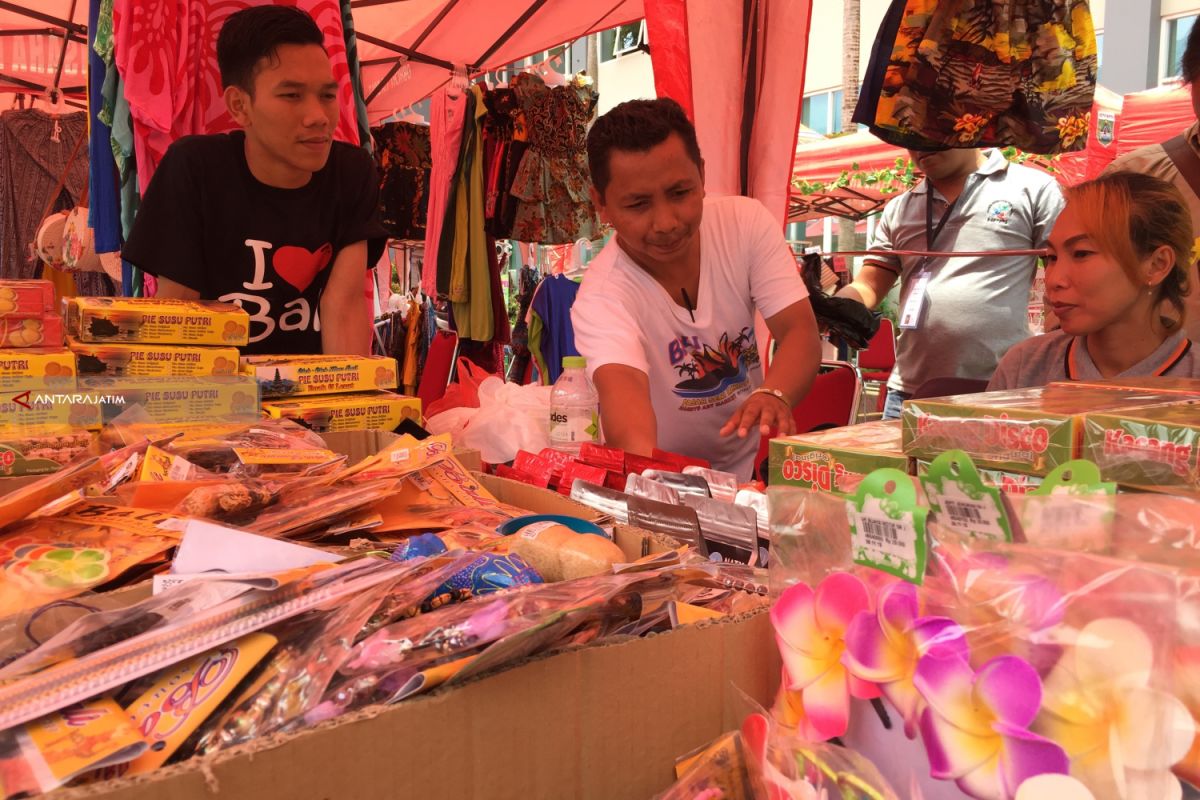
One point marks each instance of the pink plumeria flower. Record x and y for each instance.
(1121, 734)
(884, 647)
(975, 728)
(810, 628)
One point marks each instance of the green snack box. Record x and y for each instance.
(836, 460)
(1008, 482)
(1155, 448)
(1183, 386)
(1027, 431)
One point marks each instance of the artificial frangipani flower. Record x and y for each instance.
(976, 725)
(1121, 734)
(1053, 787)
(810, 630)
(884, 647)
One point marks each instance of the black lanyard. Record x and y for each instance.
(932, 233)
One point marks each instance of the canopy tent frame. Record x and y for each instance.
(67, 29)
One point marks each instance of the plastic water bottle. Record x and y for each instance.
(574, 408)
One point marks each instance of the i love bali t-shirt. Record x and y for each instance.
(207, 223)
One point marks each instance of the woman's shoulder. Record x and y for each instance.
(1033, 362)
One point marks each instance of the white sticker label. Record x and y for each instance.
(880, 540)
(399, 456)
(961, 512)
(180, 469)
(910, 316)
(535, 530)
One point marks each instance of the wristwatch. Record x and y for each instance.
(774, 393)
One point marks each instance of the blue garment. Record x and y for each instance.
(894, 403)
(552, 303)
(104, 204)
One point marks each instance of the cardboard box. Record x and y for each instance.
(113, 360)
(1027, 431)
(836, 460)
(44, 331)
(381, 411)
(1154, 449)
(37, 368)
(594, 723)
(26, 298)
(289, 376)
(157, 321)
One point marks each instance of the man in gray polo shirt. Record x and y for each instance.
(958, 315)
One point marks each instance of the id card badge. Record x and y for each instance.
(914, 306)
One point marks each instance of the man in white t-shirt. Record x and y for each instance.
(665, 315)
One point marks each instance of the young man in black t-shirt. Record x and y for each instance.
(277, 216)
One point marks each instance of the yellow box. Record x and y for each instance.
(37, 409)
(215, 399)
(379, 411)
(40, 450)
(290, 376)
(156, 321)
(37, 367)
(115, 360)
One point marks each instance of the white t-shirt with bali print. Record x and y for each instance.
(699, 371)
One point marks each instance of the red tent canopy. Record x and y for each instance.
(31, 47)
(824, 162)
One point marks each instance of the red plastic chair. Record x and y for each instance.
(876, 362)
(439, 366)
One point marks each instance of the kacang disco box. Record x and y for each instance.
(152, 361)
(1155, 448)
(1029, 431)
(156, 321)
(289, 376)
(366, 411)
(836, 460)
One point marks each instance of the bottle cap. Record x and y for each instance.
(571, 362)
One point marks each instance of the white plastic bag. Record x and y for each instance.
(510, 417)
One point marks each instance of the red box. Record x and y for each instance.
(639, 464)
(46, 331)
(505, 471)
(576, 470)
(680, 460)
(600, 456)
(558, 460)
(535, 466)
(615, 480)
(26, 298)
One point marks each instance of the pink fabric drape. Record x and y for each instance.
(446, 116)
(166, 51)
(701, 59)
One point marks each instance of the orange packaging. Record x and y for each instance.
(82, 738)
(45, 331)
(26, 298)
(37, 368)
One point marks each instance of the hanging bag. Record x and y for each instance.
(63, 239)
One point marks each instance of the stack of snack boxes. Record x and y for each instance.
(331, 393)
(177, 359)
(836, 460)
(1156, 448)
(1018, 437)
(39, 430)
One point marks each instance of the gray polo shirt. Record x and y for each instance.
(1057, 356)
(975, 308)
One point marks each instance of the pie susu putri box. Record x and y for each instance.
(39, 408)
(211, 399)
(26, 298)
(157, 321)
(36, 368)
(1029, 431)
(382, 411)
(836, 460)
(1155, 448)
(44, 331)
(149, 361)
(290, 376)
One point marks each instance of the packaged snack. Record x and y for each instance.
(37, 368)
(1010, 482)
(1184, 386)
(288, 376)
(114, 360)
(560, 554)
(157, 321)
(49, 408)
(1155, 448)
(347, 412)
(44, 331)
(166, 401)
(75, 740)
(41, 450)
(1030, 431)
(836, 460)
(26, 298)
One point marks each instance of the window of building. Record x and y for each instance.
(616, 42)
(823, 112)
(1176, 35)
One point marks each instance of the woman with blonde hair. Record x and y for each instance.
(1118, 266)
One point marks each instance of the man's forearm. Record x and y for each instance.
(345, 326)
(794, 367)
(859, 291)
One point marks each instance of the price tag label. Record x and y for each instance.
(887, 526)
(961, 501)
